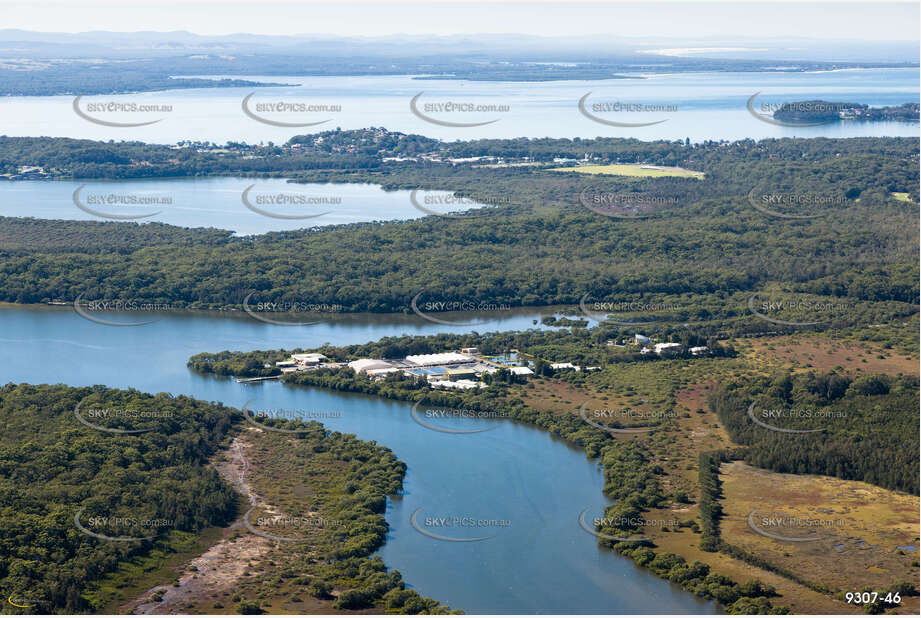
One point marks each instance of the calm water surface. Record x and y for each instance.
(704, 106)
(218, 202)
(541, 562)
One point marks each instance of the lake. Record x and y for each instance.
(541, 562)
(221, 202)
(698, 106)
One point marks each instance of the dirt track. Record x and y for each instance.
(223, 564)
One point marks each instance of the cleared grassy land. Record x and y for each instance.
(902, 197)
(882, 519)
(631, 170)
(862, 534)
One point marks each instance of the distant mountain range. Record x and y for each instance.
(43, 64)
(509, 46)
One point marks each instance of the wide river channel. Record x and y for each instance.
(540, 561)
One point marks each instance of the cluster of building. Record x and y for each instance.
(458, 369)
(661, 349)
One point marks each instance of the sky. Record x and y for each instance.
(817, 20)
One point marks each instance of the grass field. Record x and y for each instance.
(814, 353)
(631, 170)
(902, 197)
(862, 534)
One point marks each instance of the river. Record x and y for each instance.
(540, 562)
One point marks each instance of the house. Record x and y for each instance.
(363, 365)
(666, 347)
(699, 350)
(470, 351)
(641, 339)
(286, 363)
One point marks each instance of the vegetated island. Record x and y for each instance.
(826, 111)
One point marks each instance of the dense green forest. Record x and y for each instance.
(52, 466)
(157, 483)
(547, 250)
(863, 429)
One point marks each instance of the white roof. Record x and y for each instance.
(563, 366)
(379, 372)
(310, 357)
(456, 384)
(701, 348)
(665, 346)
(521, 371)
(364, 364)
(438, 359)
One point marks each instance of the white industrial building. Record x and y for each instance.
(444, 358)
(312, 358)
(564, 366)
(363, 365)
